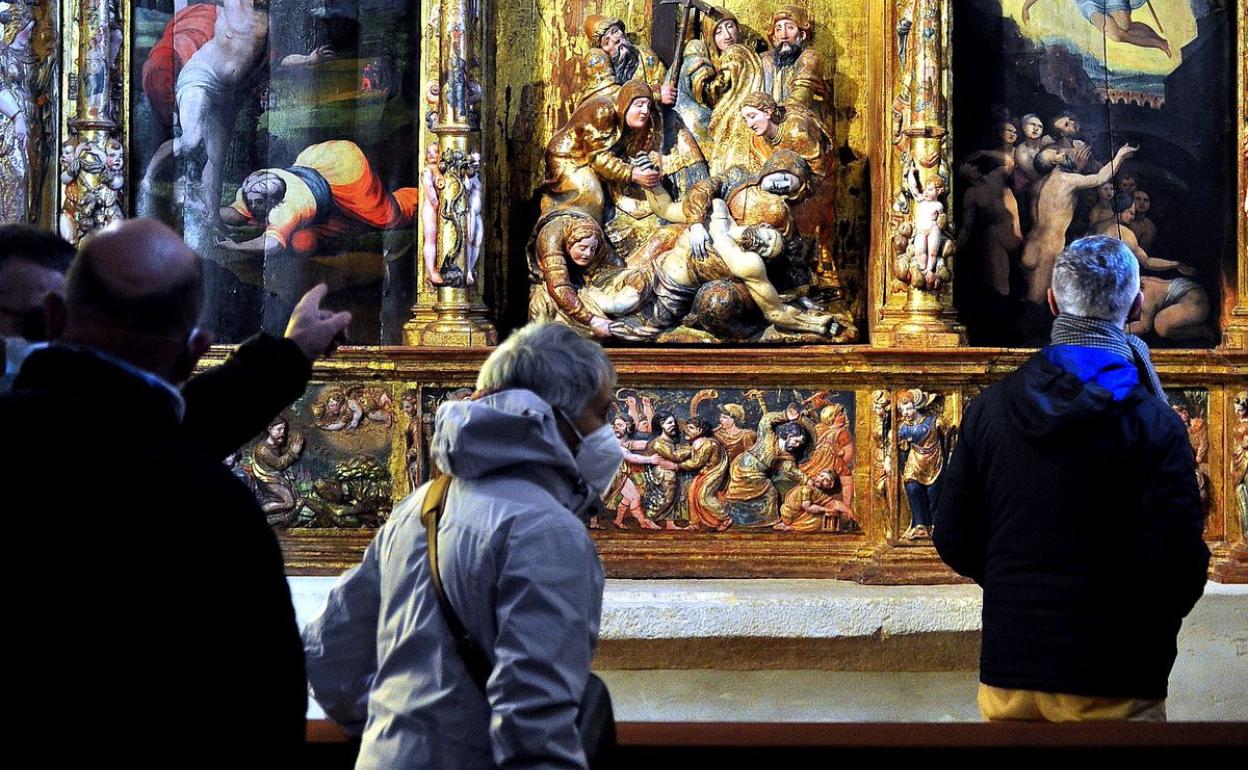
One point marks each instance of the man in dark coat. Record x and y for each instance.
(158, 625)
(1071, 498)
(227, 405)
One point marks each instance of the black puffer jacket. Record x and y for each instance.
(1080, 517)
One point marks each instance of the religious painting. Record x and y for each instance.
(277, 137)
(29, 84)
(324, 464)
(713, 195)
(722, 460)
(922, 426)
(1094, 117)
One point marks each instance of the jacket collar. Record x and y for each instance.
(95, 381)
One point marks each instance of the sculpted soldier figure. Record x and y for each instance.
(751, 499)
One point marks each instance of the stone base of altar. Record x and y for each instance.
(830, 650)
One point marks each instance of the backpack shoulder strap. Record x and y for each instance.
(430, 514)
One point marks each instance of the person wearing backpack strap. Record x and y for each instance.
(529, 455)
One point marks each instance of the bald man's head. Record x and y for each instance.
(135, 290)
(135, 276)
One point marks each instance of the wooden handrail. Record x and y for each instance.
(905, 734)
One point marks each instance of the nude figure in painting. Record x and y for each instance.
(207, 92)
(1054, 208)
(1113, 17)
(990, 211)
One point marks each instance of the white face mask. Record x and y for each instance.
(598, 458)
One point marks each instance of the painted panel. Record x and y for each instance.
(277, 137)
(1093, 117)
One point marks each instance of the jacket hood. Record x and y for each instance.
(1043, 399)
(472, 439)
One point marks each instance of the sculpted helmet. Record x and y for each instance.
(596, 25)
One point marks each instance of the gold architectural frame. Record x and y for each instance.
(914, 341)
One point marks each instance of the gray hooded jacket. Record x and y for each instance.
(519, 569)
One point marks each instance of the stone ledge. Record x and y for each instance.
(918, 652)
(783, 609)
(758, 612)
(824, 650)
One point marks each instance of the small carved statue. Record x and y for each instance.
(921, 438)
(430, 190)
(473, 188)
(924, 261)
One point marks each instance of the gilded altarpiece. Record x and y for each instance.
(466, 113)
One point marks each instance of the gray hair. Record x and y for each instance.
(1097, 277)
(565, 369)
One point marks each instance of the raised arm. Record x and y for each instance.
(1088, 181)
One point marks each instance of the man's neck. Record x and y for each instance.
(1090, 333)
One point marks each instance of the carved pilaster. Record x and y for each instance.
(452, 225)
(92, 161)
(29, 58)
(917, 252)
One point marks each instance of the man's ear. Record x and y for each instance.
(1053, 303)
(1137, 308)
(54, 315)
(196, 346)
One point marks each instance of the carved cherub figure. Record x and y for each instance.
(930, 221)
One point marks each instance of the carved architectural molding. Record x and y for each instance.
(94, 114)
(914, 253)
(452, 222)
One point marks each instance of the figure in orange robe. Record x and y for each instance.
(330, 191)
